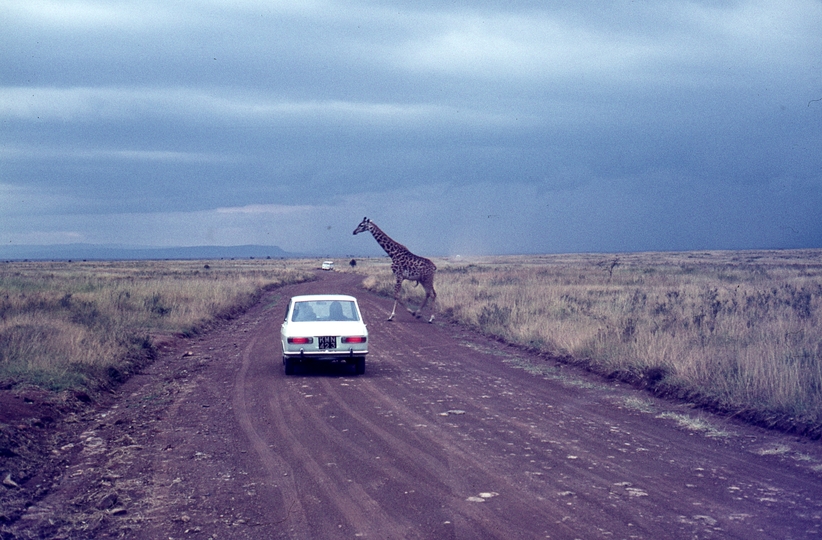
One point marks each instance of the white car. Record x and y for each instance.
(324, 327)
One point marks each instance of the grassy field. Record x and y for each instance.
(83, 325)
(736, 331)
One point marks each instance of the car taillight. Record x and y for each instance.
(354, 339)
(300, 340)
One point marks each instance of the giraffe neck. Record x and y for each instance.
(390, 246)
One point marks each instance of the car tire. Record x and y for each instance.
(290, 365)
(359, 366)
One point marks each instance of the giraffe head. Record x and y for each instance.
(364, 226)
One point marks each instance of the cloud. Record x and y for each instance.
(35, 202)
(73, 15)
(44, 238)
(192, 105)
(265, 209)
(577, 126)
(669, 43)
(532, 47)
(19, 152)
(640, 213)
(299, 228)
(77, 14)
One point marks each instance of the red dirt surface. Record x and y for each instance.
(447, 435)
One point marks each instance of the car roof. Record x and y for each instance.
(327, 297)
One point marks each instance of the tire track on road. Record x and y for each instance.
(279, 472)
(456, 486)
(463, 470)
(363, 514)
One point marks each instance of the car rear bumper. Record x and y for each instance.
(328, 356)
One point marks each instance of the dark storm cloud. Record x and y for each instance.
(612, 126)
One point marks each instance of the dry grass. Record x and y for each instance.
(78, 324)
(736, 330)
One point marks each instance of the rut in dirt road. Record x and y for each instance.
(448, 435)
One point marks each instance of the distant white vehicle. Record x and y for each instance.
(328, 265)
(325, 328)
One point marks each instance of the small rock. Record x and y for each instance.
(107, 501)
(8, 482)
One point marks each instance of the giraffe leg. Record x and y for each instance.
(432, 294)
(431, 319)
(415, 313)
(397, 291)
(411, 311)
(418, 313)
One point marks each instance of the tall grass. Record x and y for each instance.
(736, 330)
(78, 324)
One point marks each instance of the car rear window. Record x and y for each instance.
(325, 310)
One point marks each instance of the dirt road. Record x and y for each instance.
(447, 435)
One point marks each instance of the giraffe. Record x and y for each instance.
(405, 265)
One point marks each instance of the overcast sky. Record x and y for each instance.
(458, 127)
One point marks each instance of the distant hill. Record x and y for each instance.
(100, 252)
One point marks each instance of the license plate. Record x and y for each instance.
(328, 342)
